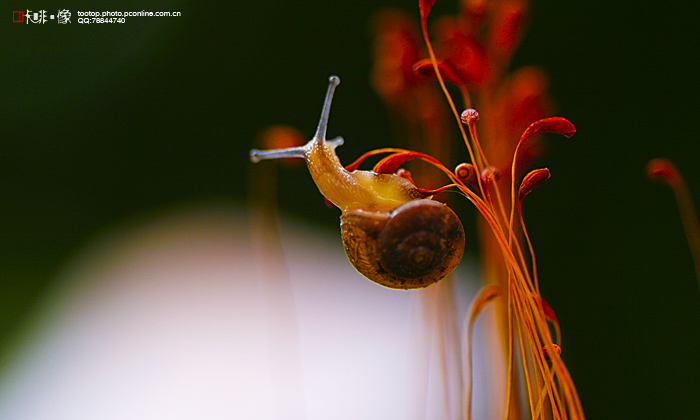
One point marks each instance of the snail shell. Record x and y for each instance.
(411, 247)
(391, 233)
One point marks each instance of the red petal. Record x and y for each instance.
(474, 11)
(425, 6)
(548, 312)
(663, 170)
(523, 100)
(396, 48)
(425, 68)
(533, 180)
(391, 163)
(549, 125)
(428, 193)
(465, 56)
(506, 29)
(351, 167)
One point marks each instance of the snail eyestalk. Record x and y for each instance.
(320, 135)
(293, 152)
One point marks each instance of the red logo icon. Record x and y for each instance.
(18, 16)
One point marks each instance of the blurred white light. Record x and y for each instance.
(172, 319)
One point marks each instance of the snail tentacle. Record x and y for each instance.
(293, 152)
(320, 135)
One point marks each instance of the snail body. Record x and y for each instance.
(392, 233)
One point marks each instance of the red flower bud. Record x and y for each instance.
(469, 116)
(466, 173)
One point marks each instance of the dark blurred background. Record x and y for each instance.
(106, 122)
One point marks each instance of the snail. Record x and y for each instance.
(392, 233)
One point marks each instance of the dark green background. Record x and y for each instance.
(103, 123)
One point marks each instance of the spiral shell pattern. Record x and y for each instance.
(414, 246)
